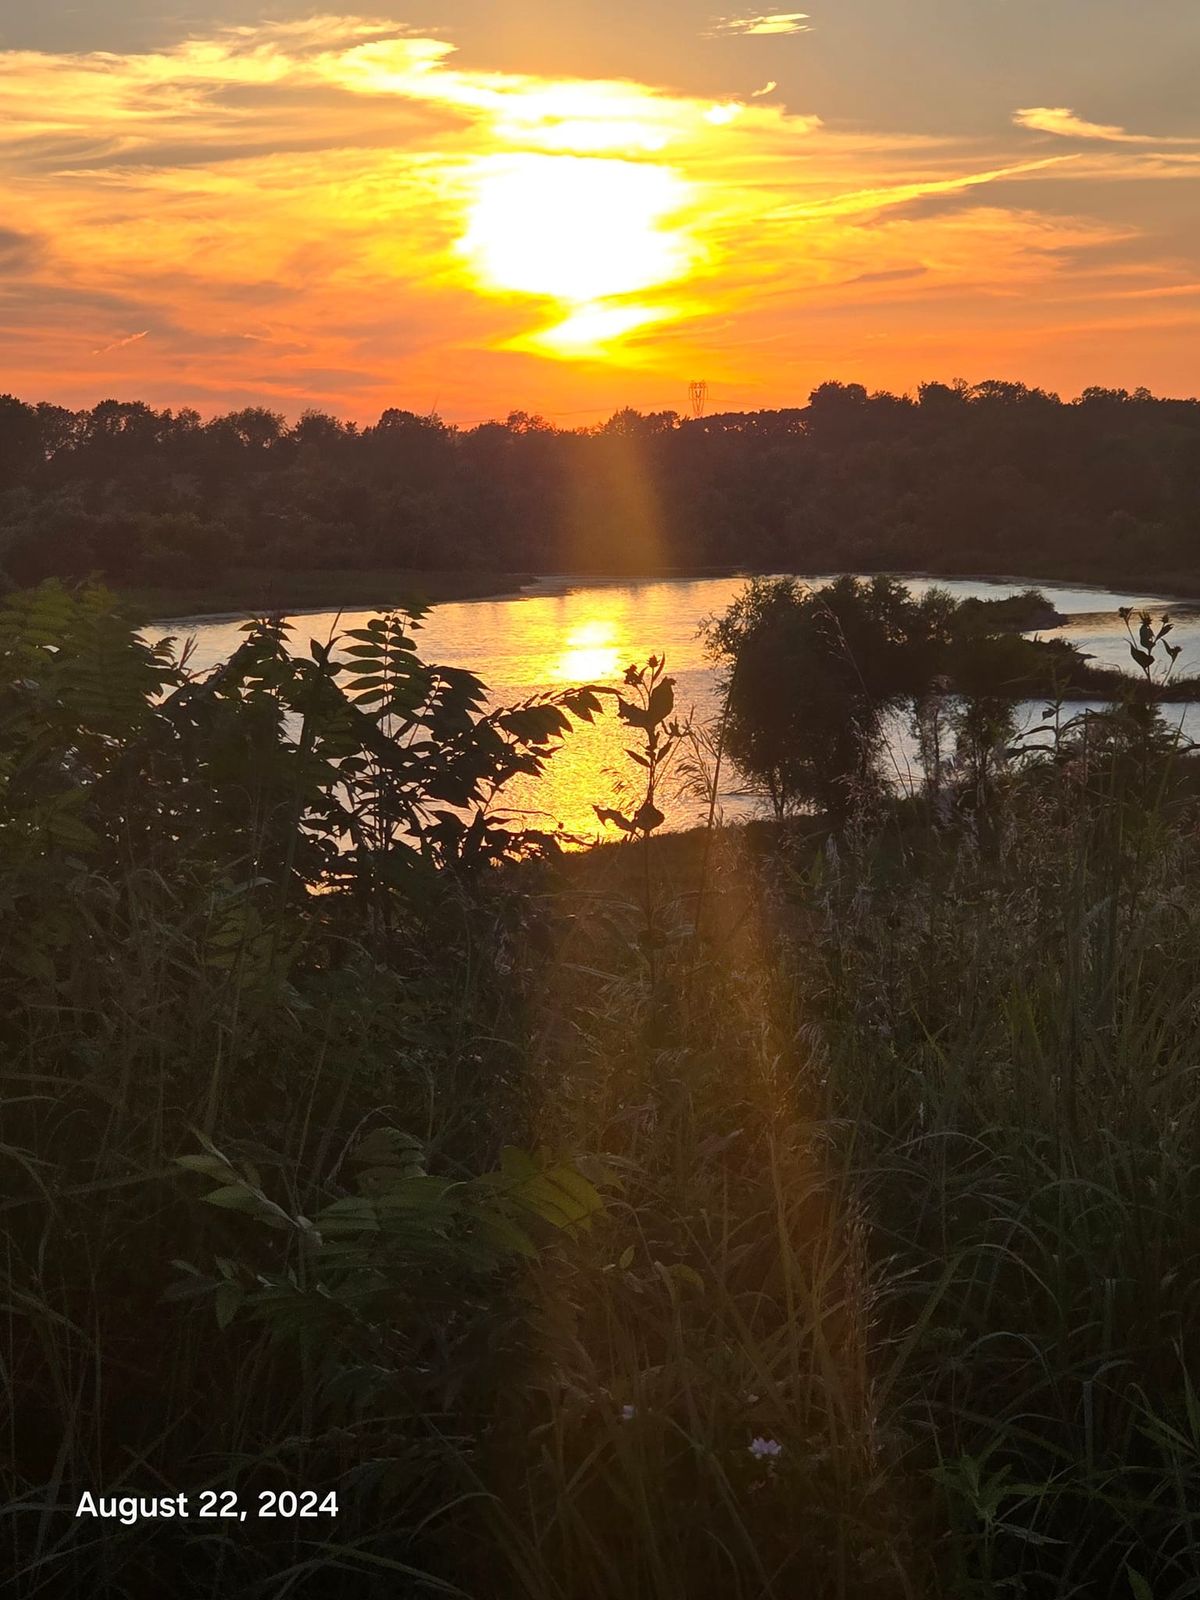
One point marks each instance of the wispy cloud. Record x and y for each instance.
(774, 22)
(767, 88)
(120, 344)
(1061, 120)
(339, 212)
(864, 201)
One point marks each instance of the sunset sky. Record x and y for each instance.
(566, 207)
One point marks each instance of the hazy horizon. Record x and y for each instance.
(293, 412)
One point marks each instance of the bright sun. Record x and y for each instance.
(582, 231)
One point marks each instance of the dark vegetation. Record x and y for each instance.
(1018, 613)
(257, 591)
(809, 1209)
(812, 674)
(990, 478)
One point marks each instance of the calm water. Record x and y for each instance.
(562, 632)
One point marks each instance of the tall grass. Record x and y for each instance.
(922, 1122)
(1011, 1035)
(893, 1291)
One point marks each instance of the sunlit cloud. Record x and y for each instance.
(903, 193)
(337, 212)
(1061, 120)
(592, 328)
(774, 22)
(119, 344)
(1165, 291)
(767, 88)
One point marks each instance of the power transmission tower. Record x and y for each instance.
(698, 395)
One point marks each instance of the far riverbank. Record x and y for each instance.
(268, 591)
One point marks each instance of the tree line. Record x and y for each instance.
(990, 477)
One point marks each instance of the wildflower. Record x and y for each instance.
(628, 1413)
(765, 1449)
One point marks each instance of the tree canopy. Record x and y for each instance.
(811, 674)
(990, 478)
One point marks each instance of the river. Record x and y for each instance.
(572, 631)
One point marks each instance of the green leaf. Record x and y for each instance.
(210, 1166)
(517, 1163)
(502, 1232)
(677, 1274)
(227, 1301)
(67, 830)
(388, 1153)
(233, 1197)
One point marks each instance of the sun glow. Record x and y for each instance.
(336, 212)
(581, 231)
(592, 326)
(591, 655)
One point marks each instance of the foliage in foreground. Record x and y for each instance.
(781, 1213)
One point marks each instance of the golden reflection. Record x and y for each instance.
(592, 654)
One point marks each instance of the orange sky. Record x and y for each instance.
(351, 214)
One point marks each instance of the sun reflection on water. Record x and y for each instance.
(589, 632)
(591, 655)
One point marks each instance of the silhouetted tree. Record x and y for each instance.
(991, 477)
(810, 674)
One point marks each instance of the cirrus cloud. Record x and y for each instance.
(773, 23)
(1061, 120)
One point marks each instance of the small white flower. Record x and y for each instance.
(765, 1449)
(628, 1413)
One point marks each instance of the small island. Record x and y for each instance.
(1017, 613)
